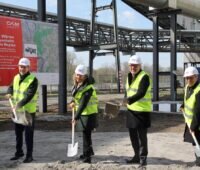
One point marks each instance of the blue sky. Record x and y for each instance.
(127, 17)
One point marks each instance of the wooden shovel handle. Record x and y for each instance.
(14, 111)
(73, 125)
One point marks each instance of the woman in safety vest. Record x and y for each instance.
(191, 107)
(86, 105)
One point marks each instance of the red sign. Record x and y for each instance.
(10, 48)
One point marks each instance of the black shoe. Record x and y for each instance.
(82, 156)
(87, 160)
(28, 160)
(143, 161)
(134, 160)
(16, 157)
(197, 162)
(91, 151)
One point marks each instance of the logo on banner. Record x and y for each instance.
(30, 50)
(12, 24)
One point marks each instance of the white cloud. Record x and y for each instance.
(128, 14)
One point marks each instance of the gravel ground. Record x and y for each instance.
(111, 143)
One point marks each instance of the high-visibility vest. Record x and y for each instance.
(189, 105)
(145, 103)
(92, 106)
(19, 91)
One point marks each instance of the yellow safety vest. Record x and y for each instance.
(19, 93)
(92, 106)
(189, 105)
(145, 103)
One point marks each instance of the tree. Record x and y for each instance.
(71, 60)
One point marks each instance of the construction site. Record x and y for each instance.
(176, 28)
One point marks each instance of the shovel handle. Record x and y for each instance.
(14, 111)
(195, 140)
(193, 136)
(73, 125)
(11, 103)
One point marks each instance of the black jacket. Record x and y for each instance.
(86, 121)
(138, 119)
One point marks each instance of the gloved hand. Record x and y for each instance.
(72, 105)
(8, 96)
(124, 102)
(181, 109)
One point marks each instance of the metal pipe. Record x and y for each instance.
(152, 3)
(188, 7)
(92, 25)
(62, 99)
(42, 17)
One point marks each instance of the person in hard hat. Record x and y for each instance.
(23, 91)
(191, 107)
(139, 105)
(85, 103)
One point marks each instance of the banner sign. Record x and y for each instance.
(10, 48)
(35, 40)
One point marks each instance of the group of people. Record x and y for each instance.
(137, 99)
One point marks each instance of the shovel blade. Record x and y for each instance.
(21, 119)
(197, 152)
(72, 150)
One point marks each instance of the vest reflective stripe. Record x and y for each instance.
(145, 103)
(189, 105)
(188, 116)
(92, 106)
(19, 92)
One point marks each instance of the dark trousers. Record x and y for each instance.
(29, 132)
(87, 142)
(138, 139)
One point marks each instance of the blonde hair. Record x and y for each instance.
(74, 79)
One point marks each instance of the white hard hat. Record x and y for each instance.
(134, 60)
(24, 62)
(81, 69)
(190, 71)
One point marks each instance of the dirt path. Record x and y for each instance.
(111, 143)
(166, 152)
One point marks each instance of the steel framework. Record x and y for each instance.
(78, 34)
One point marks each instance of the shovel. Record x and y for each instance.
(197, 147)
(18, 118)
(72, 148)
(112, 109)
(14, 111)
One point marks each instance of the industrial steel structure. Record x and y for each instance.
(85, 35)
(139, 40)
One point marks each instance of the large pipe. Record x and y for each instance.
(188, 7)
(152, 3)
